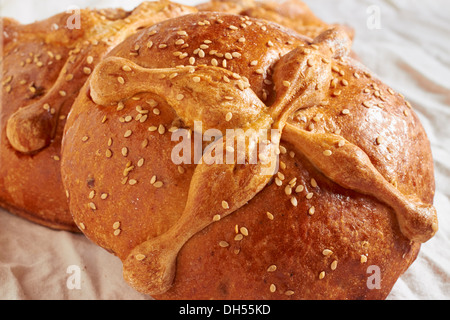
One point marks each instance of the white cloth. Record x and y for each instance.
(405, 42)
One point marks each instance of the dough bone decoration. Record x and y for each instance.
(301, 79)
(240, 65)
(33, 127)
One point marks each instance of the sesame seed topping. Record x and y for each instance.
(311, 211)
(225, 205)
(273, 288)
(287, 84)
(180, 97)
(299, 188)
(334, 265)
(345, 111)
(216, 217)
(327, 153)
(228, 116)
(121, 80)
(238, 237)
(272, 268)
(269, 215)
(158, 184)
(128, 133)
(140, 257)
(363, 258)
(322, 275)
(224, 244)
(289, 292)
(294, 201)
(244, 231)
(327, 252)
(87, 70)
(92, 206)
(117, 232)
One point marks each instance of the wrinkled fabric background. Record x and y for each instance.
(405, 42)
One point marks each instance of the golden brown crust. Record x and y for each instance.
(305, 235)
(293, 14)
(45, 65)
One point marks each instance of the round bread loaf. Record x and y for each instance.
(340, 216)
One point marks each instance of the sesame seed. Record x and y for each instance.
(140, 257)
(327, 252)
(161, 129)
(126, 68)
(366, 104)
(228, 116)
(117, 232)
(311, 211)
(244, 231)
(313, 183)
(225, 205)
(345, 111)
(124, 151)
(288, 190)
(108, 153)
(158, 184)
(287, 84)
(216, 217)
(162, 46)
(299, 188)
(92, 206)
(87, 70)
(289, 292)
(379, 140)
(363, 258)
(121, 80)
(238, 237)
(116, 225)
(327, 153)
(132, 182)
(233, 27)
(180, 97)
(309, 195)
(294, 201)
(341, 143)
(272, 268)
(269, 215)
(273, 288)
(82, 226)
(104, 196)
(128, 133)
(322, 275)
(224, 244)
(334, 265)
